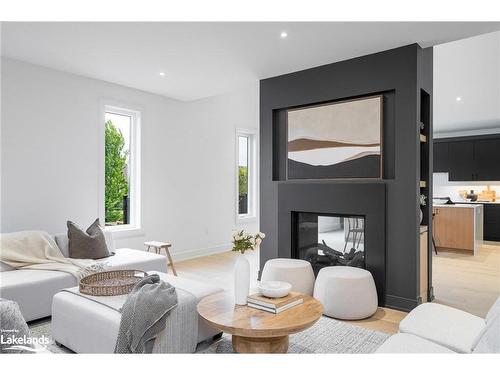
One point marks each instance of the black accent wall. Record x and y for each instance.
(399, 75)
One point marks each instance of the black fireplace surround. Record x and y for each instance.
(361, 199)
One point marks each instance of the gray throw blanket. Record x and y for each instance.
(144, 315)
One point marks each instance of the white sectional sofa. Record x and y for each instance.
(33, 290)
(435, 328)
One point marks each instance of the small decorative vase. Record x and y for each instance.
(472, 196)
(241, 280)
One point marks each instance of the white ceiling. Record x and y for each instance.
(469, 69)
(205, 59)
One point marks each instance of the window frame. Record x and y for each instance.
(135, 197)
(251, 135)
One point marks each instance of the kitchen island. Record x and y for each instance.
(491, 219)
(458, 227)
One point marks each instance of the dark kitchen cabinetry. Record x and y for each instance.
(441, 160)
(461, 161)
(491, 222)
(487, 159)
(468, 158)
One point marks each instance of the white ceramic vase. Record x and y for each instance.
(241, 280)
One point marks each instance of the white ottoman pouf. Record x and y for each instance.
(297, 272)
(346, 292)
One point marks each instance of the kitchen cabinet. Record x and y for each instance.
(487, 159)
(492, 222)
(461, 161)
(468, 158)
(454, 227)
(441, 160)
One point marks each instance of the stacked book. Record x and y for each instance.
(275, 305)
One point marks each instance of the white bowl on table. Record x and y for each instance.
(274, 289)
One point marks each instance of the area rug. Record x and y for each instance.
(41, 328)
(326, 336)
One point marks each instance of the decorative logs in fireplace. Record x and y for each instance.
(322, 255)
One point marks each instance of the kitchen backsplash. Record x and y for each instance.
(442, 187)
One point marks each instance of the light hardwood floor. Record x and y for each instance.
(467, 282)
(218, 270)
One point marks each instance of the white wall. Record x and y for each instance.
(202, 208)
(51, 155)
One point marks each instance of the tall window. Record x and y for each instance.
(121, 183)
(245, 174)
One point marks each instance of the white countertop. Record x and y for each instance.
(461, 205)
(476, 202)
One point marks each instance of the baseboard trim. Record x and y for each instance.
(431, 294)
(197, 253)
(400, 303)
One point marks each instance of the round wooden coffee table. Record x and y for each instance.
(257, 331)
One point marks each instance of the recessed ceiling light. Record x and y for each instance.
(458, 98)
(283, 34)
(162, 74)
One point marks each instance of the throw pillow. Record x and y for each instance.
(89, 244)
(13, 328)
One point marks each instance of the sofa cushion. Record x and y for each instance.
(110, 243)
(89, 244)
(196, 288)
(494, 311)
(128, 259)
(444, 325)
(5, 267)
(33, 290)
(489, 342)
(405, 343)
(62, 242)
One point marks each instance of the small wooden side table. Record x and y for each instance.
(157, 246)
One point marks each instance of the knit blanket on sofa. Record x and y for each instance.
(37, 250)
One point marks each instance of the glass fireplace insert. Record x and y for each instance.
(329, 239)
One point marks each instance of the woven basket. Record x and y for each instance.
(110, 283)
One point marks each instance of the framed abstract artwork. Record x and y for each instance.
(336, 140)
